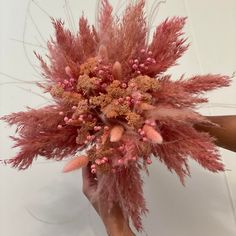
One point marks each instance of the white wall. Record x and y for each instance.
(43, 202)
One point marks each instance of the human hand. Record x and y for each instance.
(114, 221)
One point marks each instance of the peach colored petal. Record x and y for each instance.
(152, 134)
(116, 133)
(76, 163)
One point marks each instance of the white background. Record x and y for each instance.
(43, 202)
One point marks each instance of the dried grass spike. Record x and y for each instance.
(152, 134)
(75, 164)
(116, 133)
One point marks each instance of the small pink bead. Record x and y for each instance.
(153, 123)
(149, 161)
(132, 85)
(120, 100)
(149, 59)
(103, 161)
(81, 118)
(66, 119)
(142, 133)
(74, 107)
(106, 127)
(145, 139)
(99, 127)
(98, 161)
(100, 72)
(135, 66)
(124, 85)
(61, 113)
(93, 171)
(136, 61)
(134, 158)
(147, 122)
(121, 148)
(120, 161)
(142, 65)
(139, 72)
(59, 126)
(93, 166)
(128, 98)
(143, 50)
(150, 53)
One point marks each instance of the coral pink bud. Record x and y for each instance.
(143, 50)
(139, 130)
(68, 71)
(139, 72)
(145, 139)
(66, 119)
(65, 81)
(150, 53)
(74, 107)
(120, 161)
(61, 113)
(93, 171)
(128, 98)
(134, 158)
(142, 133)
(149, 161)
(105, 159)
(136, 61)
(152, 134)
(149, 59)
(76, 163)
(99, 127)
(59, 126)
(116, 133)
(135, 66)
